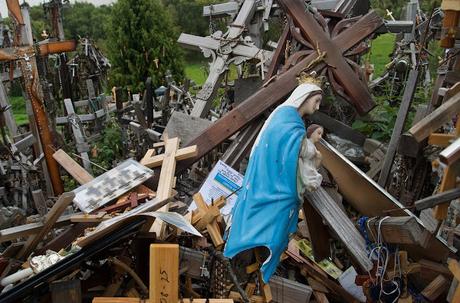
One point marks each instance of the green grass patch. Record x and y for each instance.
(18, 106)
(381, 49)
(197, 72)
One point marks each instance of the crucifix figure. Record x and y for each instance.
(26, 56)
(336, 46)
(225, 49)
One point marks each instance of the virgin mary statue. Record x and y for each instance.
(266, 211)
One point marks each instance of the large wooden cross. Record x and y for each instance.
(26, 56)
(284, 83)
(224, 48)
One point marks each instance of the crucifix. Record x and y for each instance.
(336, 46)
(288, 42)
(27, 58)
(53, 10)
(225, 49)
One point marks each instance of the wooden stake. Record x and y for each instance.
(164, 273)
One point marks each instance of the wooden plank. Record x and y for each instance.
(451, 154)
(454, 267)
(436, 119)
(319, 234)
(72, 167)
(442, 140)
(400, 230)
(61, 204)
(398, 128)
(436, 288)
(166, 181)
(26, 230)
(287, 291)
(181, 154)
(273, 93)
(164, 273)
(339, 222)
(439, 198)
(448, 182)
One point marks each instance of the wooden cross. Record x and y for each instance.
(223, 49)
(166, 182)
(26, 56)
(164, 279)
(274, 91)
(205, 217)
(81, 144)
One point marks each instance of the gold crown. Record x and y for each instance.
(310, 78)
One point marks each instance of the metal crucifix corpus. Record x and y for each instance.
(224, 49)
(26, 57)
(281, 85)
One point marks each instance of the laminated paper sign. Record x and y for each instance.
(222, 181)
(111, 185)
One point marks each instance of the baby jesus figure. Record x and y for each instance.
(308, 177)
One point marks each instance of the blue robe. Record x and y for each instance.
(266, 210)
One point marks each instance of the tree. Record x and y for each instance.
(142, 43)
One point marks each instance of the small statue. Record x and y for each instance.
(308, 177)
(282, 165)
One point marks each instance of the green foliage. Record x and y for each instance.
(380, 54)
(196, 72)
(84, 19)
(141, 32)
(396, 7)
(18, 106)
(81, 19)
(188, 15)
(107, 150)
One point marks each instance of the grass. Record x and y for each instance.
(381, 49)
(196, 71)
(18, 106)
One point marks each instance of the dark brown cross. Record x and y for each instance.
(26, 55)
(346, 38)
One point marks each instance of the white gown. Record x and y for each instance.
(308, 177)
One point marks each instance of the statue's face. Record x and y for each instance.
(316, 135)
(311, 104)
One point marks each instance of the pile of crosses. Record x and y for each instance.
(30, 175)
(93, 243)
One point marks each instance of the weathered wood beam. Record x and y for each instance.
(339, 222)
(398, 128)
(61, 204)
(439, 198)
(399, 230)
(436, 288)
(319, 234)
(72, 167)
(26, 230)
(451, 154)
(436, 119)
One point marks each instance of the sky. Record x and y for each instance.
(4, 10)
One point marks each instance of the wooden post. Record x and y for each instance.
(164, 273)
(448, 182)
(398, 127)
